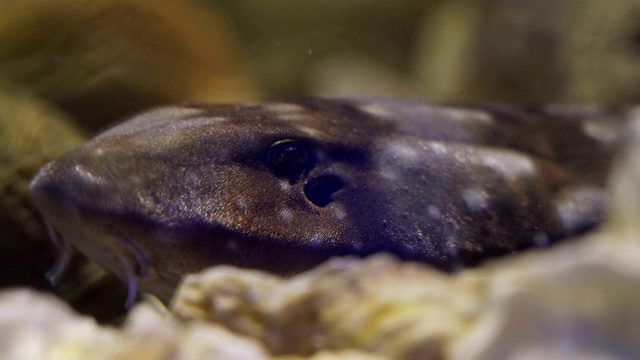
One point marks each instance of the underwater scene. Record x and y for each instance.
(324, 179)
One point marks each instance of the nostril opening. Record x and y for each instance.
(319, 190)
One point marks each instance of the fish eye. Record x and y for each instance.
(287, 157)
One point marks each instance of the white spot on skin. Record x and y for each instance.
(242, 202)
(401, 151)
(602, 131)
(388, 173)
(87, 175)
(375, 110)
(294, 116)
(339, 212)
(284, 185)
(475, 199)
(434, 212)
(195, 123)
(151, 120)
(317, 238)
(438, 148)
(581, 207)
(468, 115)
(507, 163)
(286, 214)
(284, 108)
(98, 152)
(309, 131)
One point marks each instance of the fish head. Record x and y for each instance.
(278, 187)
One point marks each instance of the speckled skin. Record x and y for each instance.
(177, 189)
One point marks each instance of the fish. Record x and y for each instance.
(283, 185)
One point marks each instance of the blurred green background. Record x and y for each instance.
(525, 51)
(104, 60)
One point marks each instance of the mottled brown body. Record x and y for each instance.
(282, 186)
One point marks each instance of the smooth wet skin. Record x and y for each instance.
(282, 186)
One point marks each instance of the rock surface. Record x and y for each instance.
(49, 329)
(381, 305)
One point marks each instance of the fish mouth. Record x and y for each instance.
(62, 263)
(133, 260)
(62, 199)
(114, 251)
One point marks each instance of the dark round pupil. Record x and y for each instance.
(287, 157)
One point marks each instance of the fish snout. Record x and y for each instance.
(75, 202)
(64, 186)
(47, 189)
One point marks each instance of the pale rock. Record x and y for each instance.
(40, 326)
(380, 305)
(336, 355)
